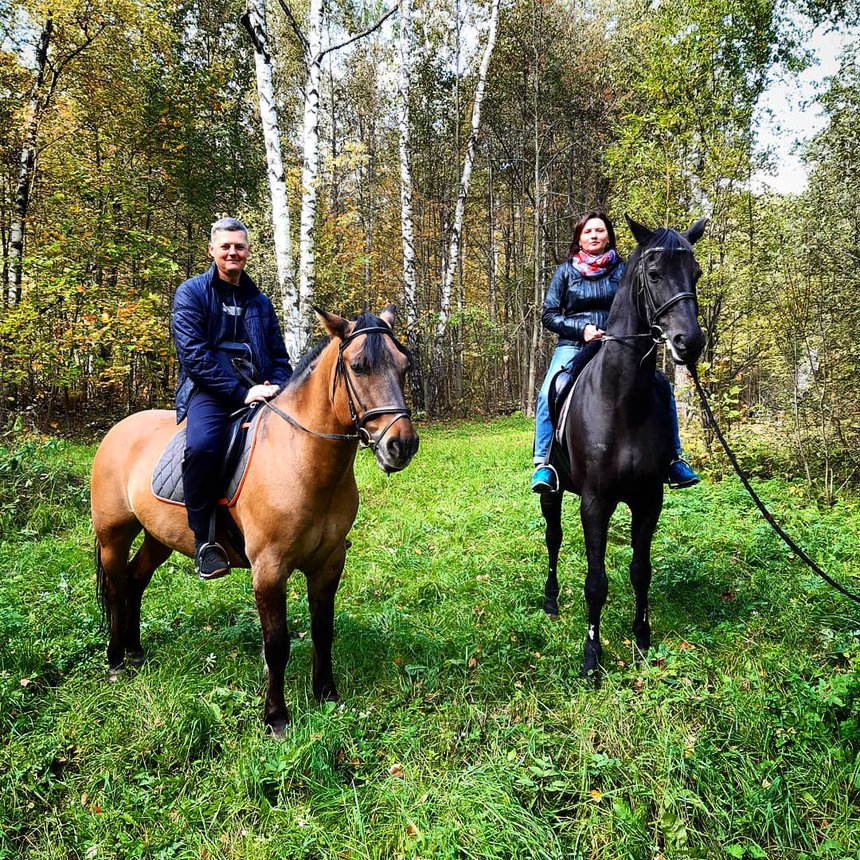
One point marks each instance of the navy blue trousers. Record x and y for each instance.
(205, 444)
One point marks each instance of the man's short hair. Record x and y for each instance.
(229, 224)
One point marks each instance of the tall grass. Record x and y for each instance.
(464, 730)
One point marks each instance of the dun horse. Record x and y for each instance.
(298, 501)
(616, 437)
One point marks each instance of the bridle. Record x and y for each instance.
(360, 416)
(646, 304)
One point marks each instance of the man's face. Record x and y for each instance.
(230, 253)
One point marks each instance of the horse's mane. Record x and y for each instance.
(372, 357)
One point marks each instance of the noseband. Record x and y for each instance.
(359, 418)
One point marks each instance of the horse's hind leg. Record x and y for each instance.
(644, 522)
(151, 554)
(550, 507)
(112, 548)
(595, 514)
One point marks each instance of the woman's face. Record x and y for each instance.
(594, 237)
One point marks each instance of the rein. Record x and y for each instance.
(759, 503)
(361, 434)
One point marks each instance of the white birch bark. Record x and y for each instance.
(407, 229)
(453, 256)
(310, 169)
(26, 168)
(255, 23)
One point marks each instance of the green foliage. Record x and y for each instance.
(464, 729)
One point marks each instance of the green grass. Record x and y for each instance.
(464, 730)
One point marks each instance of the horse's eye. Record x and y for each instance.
(654, 274)
(358, 369)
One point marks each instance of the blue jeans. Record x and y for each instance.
(543, 425)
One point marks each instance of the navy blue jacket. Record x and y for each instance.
(573, 301)
(197, 326)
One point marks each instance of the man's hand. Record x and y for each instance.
(261, 392)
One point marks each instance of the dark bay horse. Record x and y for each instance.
(617, 437)
(298, 502)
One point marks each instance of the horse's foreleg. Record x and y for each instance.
(271, 598)
(151, 554)
(322, 587)
(550, 507)
(644, 522)
(595, 514)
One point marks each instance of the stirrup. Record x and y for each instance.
(216, 571)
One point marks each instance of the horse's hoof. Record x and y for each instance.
(640, 654)
(277, 728)
(114, 673)
(553, 616)
(327, 694)
(591, 676)
(133, 659)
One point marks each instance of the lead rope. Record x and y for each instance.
(759, 504)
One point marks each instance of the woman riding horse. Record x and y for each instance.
(576, 308)
(616, 434)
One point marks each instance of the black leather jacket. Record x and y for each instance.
(573, 301)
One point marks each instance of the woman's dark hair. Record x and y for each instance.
(580, 226)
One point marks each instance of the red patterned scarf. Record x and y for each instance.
(594, 267)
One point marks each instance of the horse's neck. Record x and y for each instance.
(628, 364)
(311, 405)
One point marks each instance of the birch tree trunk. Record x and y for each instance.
(453, 256)
(310, 168)
(254, 21)
(407, 229)
(27, 164)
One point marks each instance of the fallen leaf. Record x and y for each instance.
(727, 596)
(472, 662)
(411, 829)
(396, 770)
(25, 682)
(686, 646)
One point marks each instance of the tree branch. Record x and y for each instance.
(355, 38)
(303, 40)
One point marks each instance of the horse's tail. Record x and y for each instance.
(101, 587)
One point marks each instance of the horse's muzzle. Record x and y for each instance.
(686, 347)
(396, 450)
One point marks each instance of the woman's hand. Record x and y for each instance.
(592, 332)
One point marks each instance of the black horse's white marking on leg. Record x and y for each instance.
(595, 514)
(646, 513)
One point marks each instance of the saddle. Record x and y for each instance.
(242, 437)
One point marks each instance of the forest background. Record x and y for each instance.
(129, 126)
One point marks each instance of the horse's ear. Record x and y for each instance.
(640, 232)
(696, 231)
(387, 315)
(336, 326)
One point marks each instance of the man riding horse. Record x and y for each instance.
(226, 334)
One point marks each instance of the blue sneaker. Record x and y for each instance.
(681, 475)
(544, 480)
